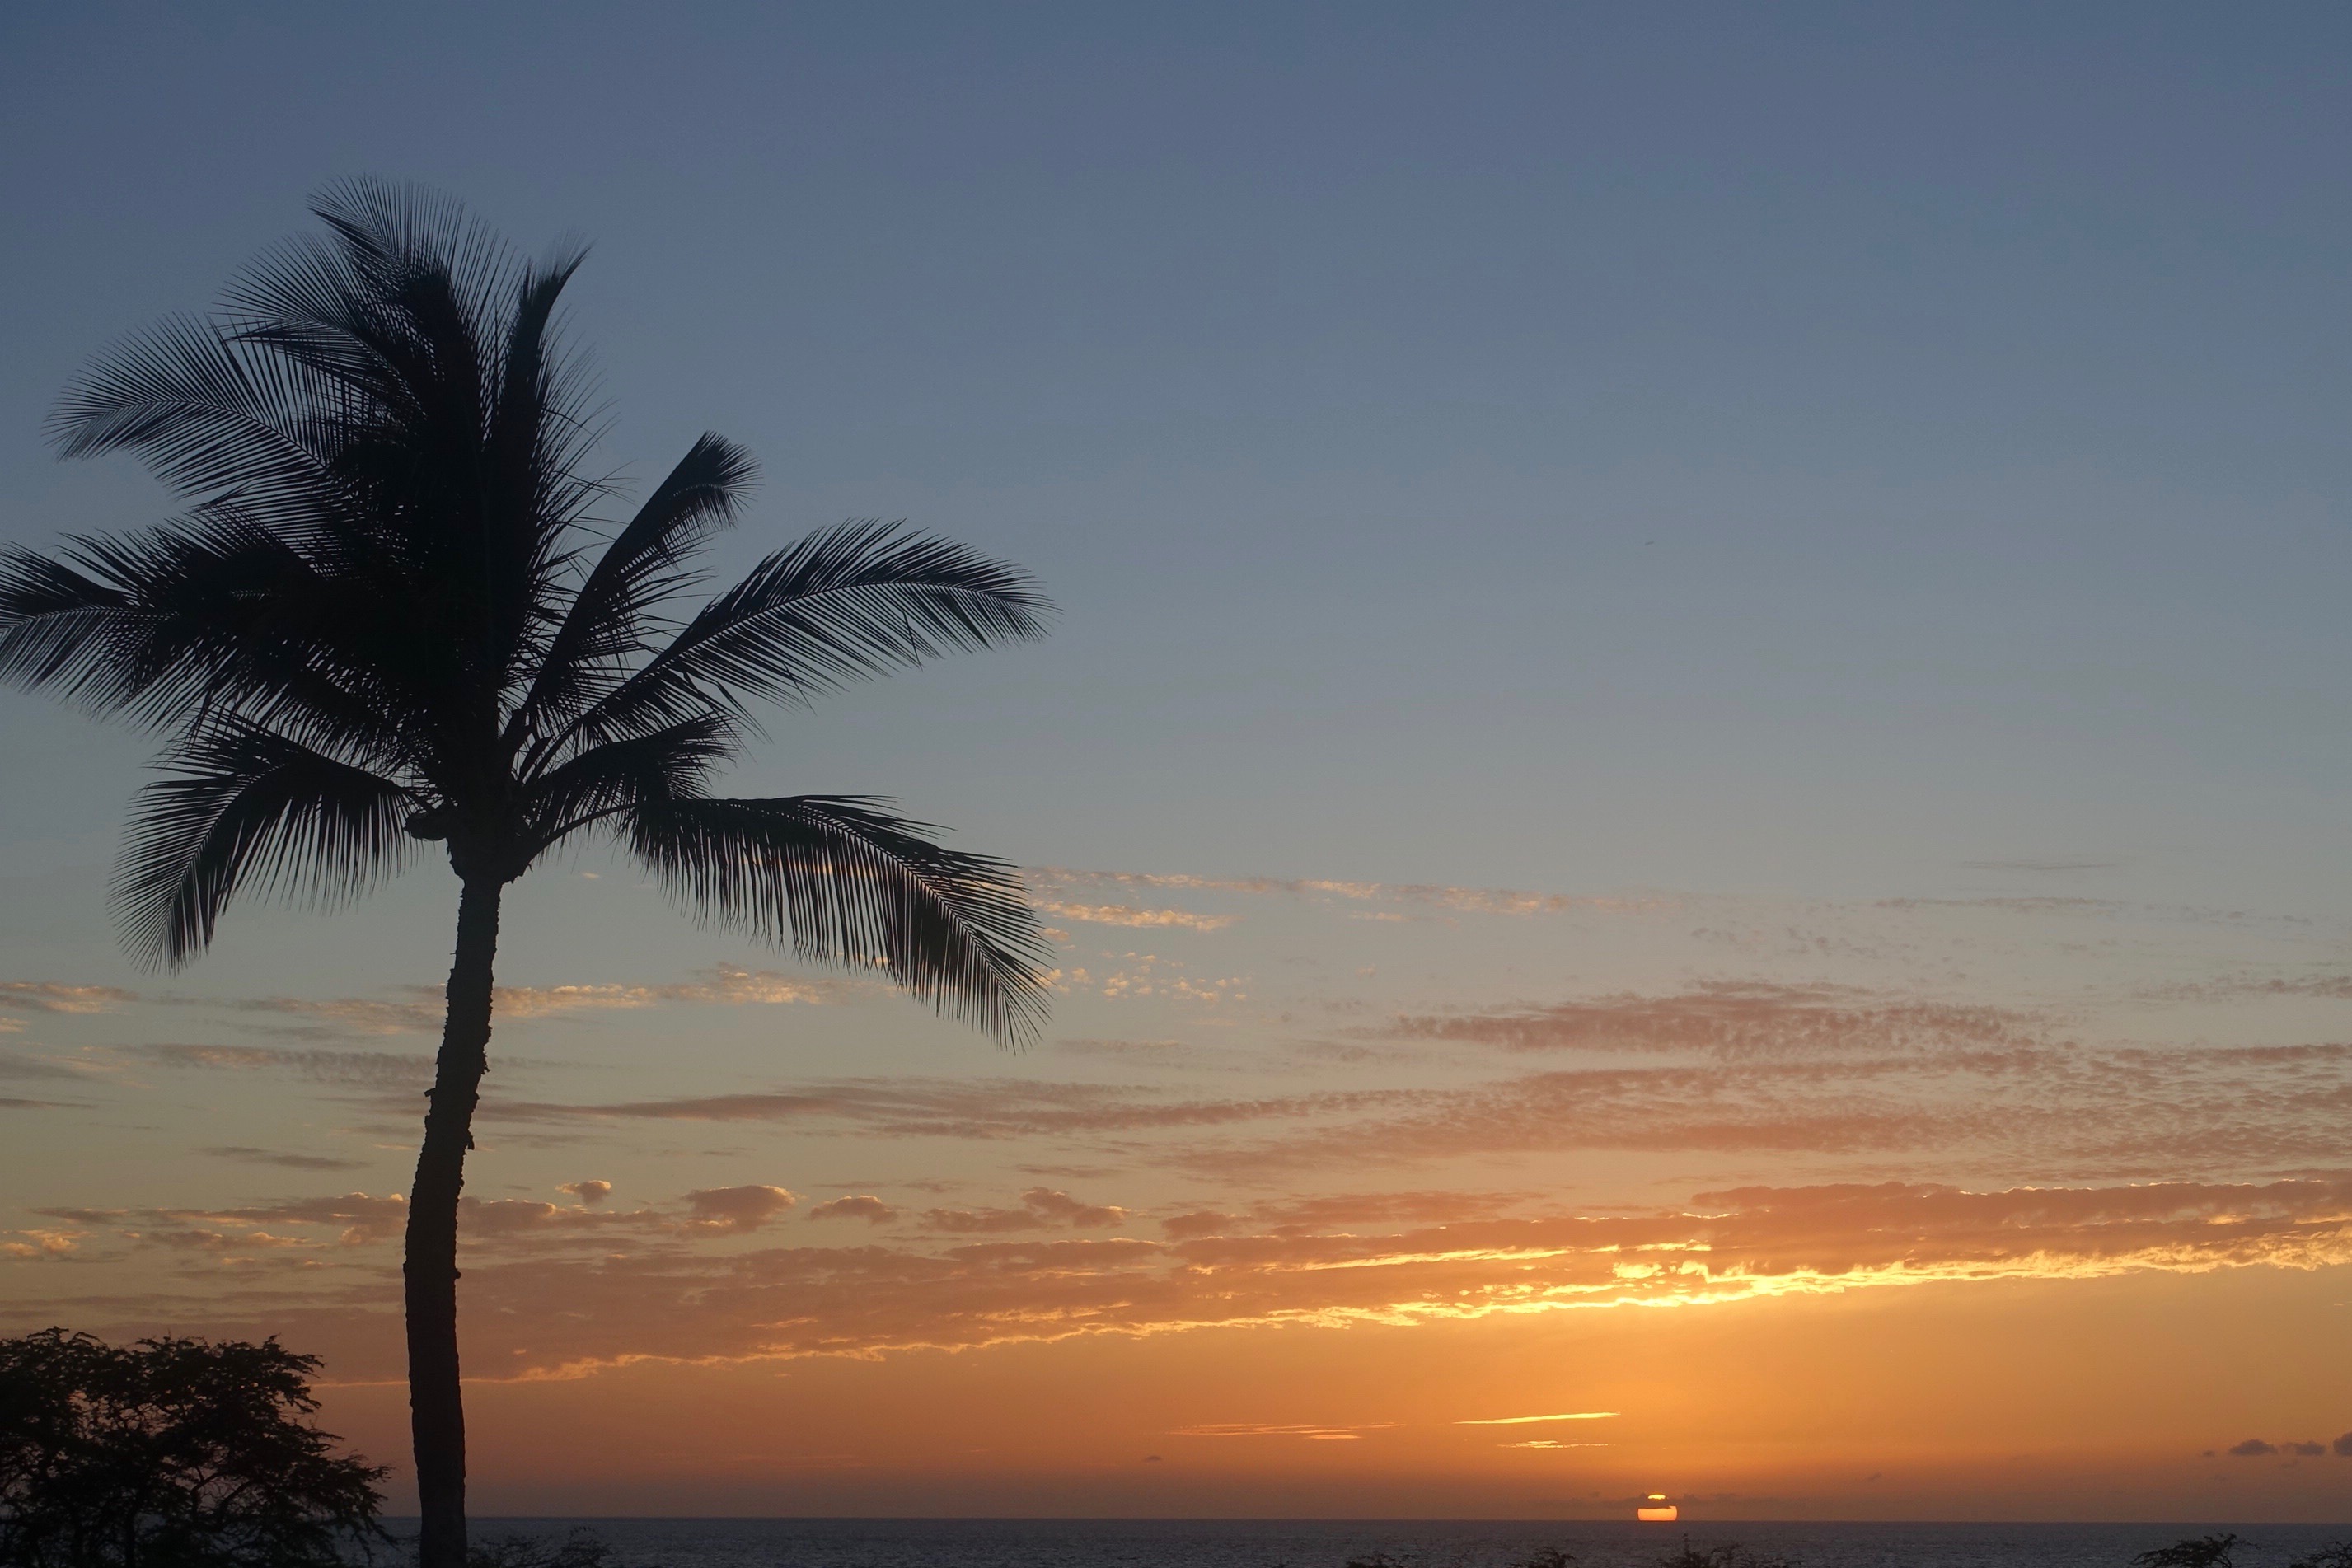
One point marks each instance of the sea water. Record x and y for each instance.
(1413, 1543)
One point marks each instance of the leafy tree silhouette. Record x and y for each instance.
(381, 622)
(176, 1451)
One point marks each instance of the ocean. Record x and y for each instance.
(1406, 1544)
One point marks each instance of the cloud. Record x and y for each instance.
(1041, 1208)
(1734, 1018)
(197, 1239)
(1307, 1430)
(495, 1225)
(2307, 1450)
(351, 1069)
(864, 1206)
(481, 1218)
(992, 1108)
(54, 997)
(420, 1012)
(1740, 1069)
(1145, 1049)
(561, 1290)
(1130, 915)
(14, 1065)
(2040, 864)
(1524, 1420)
(2251, 1448)
(1059, 1207)
(279, 1157)
(737, 1208)
(724, 986)
(37, 1245)
(2343, 1446)
(1294, 1215)
(1464, 900)
(359, 1015)
(359, 1217)
(1554, 1443)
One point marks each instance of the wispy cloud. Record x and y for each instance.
(419, 1011)
(1041, 1208)
(357, 1069)
(1735, 1018)
(1307, 1430)
(56, 996)
(287, 1160)
(1130, 915)
(1440, 896)
(1549, 1443)
(1526, 1420)
(15, 1065)
(357, 1218)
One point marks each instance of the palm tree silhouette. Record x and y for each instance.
(381, 622)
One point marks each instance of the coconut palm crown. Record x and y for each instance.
(389, 616)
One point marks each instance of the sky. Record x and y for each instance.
(1690, 782)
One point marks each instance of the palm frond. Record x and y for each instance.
(215, 614)
(852, 601)
(842, 879)
(246, 805)
(462, 433)
(211, 417)
(605, 779)
(606, 622)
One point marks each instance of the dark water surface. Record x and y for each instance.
(1329, 1544)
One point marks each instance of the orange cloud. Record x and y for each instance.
(620, 1303)
(1041, 1207)
(736, 1208)
(1307, 1430)
(1128, 915)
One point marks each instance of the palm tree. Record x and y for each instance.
(383, 621)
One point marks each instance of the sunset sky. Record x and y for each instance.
(1694, 783)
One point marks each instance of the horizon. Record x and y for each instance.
(1689, 791)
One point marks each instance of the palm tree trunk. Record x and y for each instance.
(435, 1401)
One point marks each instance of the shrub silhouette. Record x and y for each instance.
(186, 1452)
